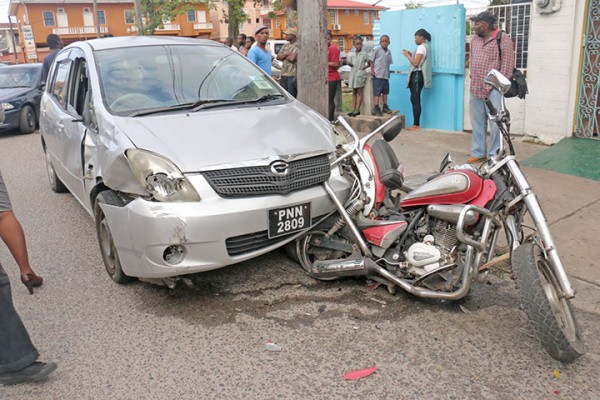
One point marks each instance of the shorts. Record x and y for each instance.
(381, 86)
(4, 200)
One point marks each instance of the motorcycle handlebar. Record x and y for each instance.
(490, 106)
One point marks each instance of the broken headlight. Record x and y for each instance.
(161, 178)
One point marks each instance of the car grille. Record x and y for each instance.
(250, 242)
(256, 181)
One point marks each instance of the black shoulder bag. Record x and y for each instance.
(518, 83)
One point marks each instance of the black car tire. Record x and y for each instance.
(27, 120)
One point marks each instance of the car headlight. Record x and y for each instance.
(7, 106)
(161, 178)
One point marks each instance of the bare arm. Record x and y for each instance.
(416, 60)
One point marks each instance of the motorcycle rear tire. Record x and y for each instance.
(551, 317)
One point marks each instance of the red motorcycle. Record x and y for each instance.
(441, 237)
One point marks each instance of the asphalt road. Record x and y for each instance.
(143, 342)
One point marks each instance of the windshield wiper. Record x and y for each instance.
(175, 107)
(260, 99)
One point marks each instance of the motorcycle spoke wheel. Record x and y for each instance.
(551, 315)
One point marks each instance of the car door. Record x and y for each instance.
(69, 86)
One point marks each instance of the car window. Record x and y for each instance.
(60, 83)
(17, 77)
(141, 78)
(79, 87)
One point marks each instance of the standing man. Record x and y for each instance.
(241, 41)
(229, 43)
(17, 354)
(380, 61)
(259, 54)
(485, 56)
(288, 55)
(333, 63)
(55, 45)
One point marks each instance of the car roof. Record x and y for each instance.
(137, 41)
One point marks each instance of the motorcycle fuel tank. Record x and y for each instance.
(455, 187)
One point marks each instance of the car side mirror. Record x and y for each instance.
(392, 130)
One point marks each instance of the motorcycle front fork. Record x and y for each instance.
(541, 224)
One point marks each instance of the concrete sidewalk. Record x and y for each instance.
(571, 204)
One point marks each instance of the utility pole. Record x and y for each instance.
(96, 22)
(312, 54)
(138, 16)
(12, 39)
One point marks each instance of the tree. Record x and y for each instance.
(157, 12)
(411, 5)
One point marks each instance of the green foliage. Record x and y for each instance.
(158, 12)
(411, 5)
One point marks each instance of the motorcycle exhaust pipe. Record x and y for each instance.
(332, 269)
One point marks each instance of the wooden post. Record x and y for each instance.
(96, 22)
(312, 54)
(138, 16)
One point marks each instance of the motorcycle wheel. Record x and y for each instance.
(552, 317)
(308, 249)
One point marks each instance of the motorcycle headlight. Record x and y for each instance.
(7, 106)
(161, 178)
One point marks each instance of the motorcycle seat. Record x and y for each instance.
(387, 164)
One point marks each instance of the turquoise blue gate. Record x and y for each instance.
(443, 104)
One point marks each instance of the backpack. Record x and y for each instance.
(518, 83)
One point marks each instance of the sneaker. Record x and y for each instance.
(414, 128)
(386, 109)
(475, 160)
(32, 373)
(377, 111)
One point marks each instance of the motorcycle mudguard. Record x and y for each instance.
(384, 235)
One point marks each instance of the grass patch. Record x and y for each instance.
(346, 102)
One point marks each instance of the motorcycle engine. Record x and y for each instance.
(435, 251)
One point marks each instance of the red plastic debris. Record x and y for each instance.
(361, 373)
(556, 392)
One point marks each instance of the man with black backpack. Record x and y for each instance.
(490, 49)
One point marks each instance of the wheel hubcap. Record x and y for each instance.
(107, 246)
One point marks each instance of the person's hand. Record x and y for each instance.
(372, 72)
(406, 53)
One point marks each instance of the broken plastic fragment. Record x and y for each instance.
(557, 373)
(270, 346)
(361, 373)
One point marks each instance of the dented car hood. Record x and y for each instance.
(198, 140)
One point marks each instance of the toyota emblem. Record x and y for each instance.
(280, 168)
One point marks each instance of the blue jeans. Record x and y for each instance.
(16, 349)
(479, 124)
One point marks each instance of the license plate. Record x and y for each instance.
(286, 220)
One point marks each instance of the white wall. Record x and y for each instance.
(552, 71)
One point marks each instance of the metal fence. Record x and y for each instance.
(512, 18)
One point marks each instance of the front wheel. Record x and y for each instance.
(108, 249)
(552, 316)
(27, 120)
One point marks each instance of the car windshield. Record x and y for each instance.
(14, 77)
(138, 80)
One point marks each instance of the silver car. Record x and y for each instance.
(186, 154)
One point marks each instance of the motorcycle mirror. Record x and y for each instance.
(392, 130)
(495, 79)
(445, 162)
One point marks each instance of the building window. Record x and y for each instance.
(277, 23)
(333, 17)
(356, 13)
(86, 10)
(267, 22)
(341, 44)
(374, 15)
(101, 17)
(129, 17)
(191, 15)
(346, 12)
(48, 18)
(366, 17)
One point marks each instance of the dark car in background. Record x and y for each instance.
(20, 94)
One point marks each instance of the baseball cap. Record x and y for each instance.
(260, 28)
(290, 31)
(485, 17)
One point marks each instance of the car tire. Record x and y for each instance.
(27, 120)
(55, 183)
(108, 250)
